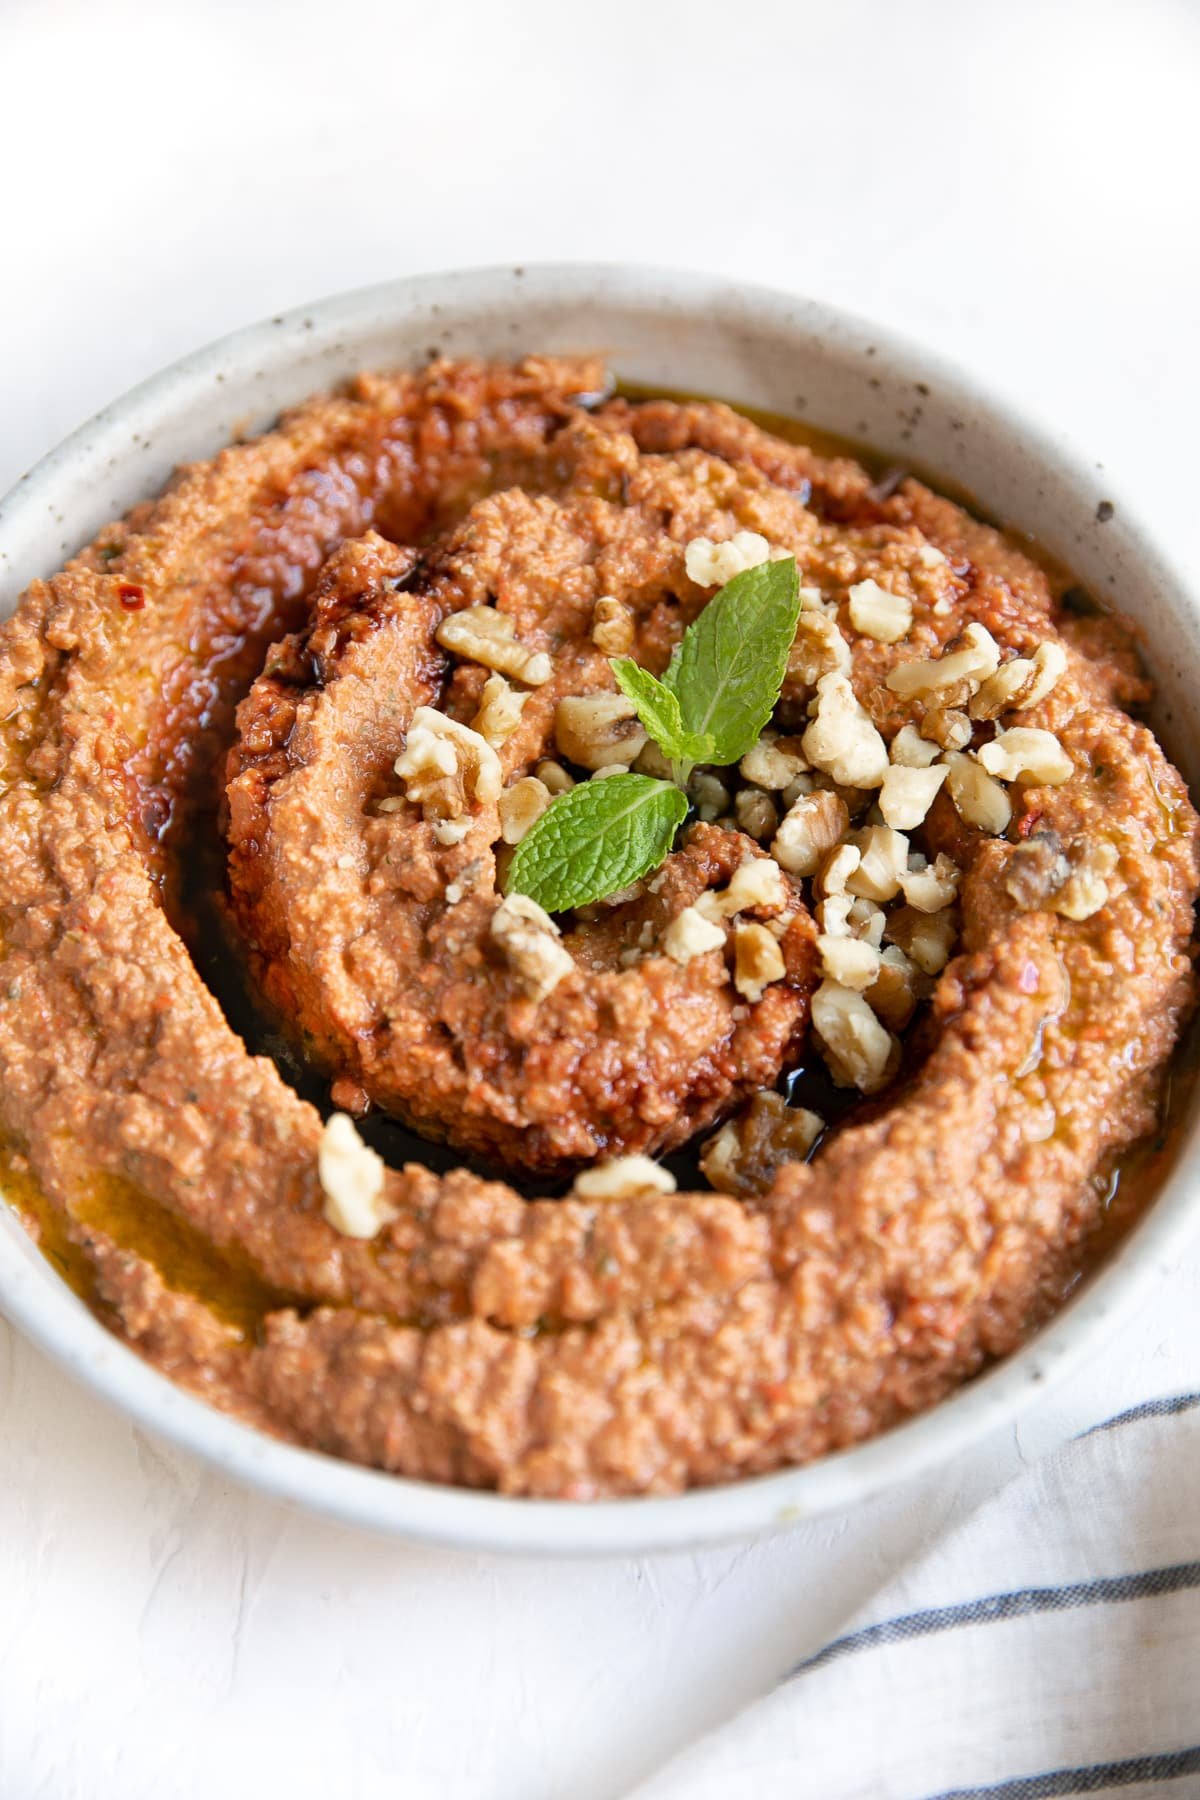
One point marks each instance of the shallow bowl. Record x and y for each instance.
(705, 335)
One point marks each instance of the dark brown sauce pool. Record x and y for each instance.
(188, 1263)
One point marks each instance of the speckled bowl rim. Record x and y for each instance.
(64, 500)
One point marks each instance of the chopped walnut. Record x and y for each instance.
(768, 764)
(813, 826)
(833, 915)
(928, 938)
(931, 887)
(1036, 870)
(529, 940)
(883, 859)
(755, 813)
(818, 648)
(499, 711)
(907, 794)
(1020, 683)
(955, 672)
(450, 831)
(445, 766)
(1026, 753)
(757, 961)
(859, 1051)
(803, 784)
(691, 934)
(1086, 889)
(595, 729)
(553, 776)
(878, 614)
(747, 1153)
(483, 635)
(894, 993)
(612, 626)
(842, 740)
(851, 962)
(947, 728)
(623, 1178)
(352, 1178)
(836, 871)
(758, 881)
(909, 750)
(866, 920)
(712, 565)
(521, 806)
(709, 795)
(978, 799)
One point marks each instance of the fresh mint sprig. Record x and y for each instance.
(725, 676)
(710, 706)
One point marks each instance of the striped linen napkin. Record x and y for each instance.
(1049, 1645)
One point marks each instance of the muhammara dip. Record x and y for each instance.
(371, 648)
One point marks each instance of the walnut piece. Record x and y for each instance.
(960, 670)
(597, 729)
(747, 1153)
(1020, 683)
(521, 806)
(483, 635)
(931, 887)
(712, 565)
(878, 614)
(769, 765)
(691, 934)
(445, 766)
(553, 776)
(978, 799)
(1086, 889)
(352, 1177)
(757, 961)
(1036, 870)
(529, 940)
(928, 938)
(841, 740)
(499, 711)
(755, 813)
(883, 860)
(813, 826)
(946, 727)
(851, 962)
(622, 1178)
(818, 649)
(894, 994)
(612, 626)
(907, 794)
(1028, 754)
(859, 1051)
(909, 750)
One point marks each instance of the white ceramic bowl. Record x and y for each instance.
(690, 332)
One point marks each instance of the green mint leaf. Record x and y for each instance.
(727, 672)
(657, 707)
(595, 839)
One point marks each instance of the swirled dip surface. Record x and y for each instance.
(240, 662)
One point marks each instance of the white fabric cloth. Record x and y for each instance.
(1050, 1645)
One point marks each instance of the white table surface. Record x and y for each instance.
(1014, 184)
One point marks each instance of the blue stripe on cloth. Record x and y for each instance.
(1149, 1409)
(1167, 1765)
(1019, 1604)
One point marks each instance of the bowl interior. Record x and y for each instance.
(664, 329)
